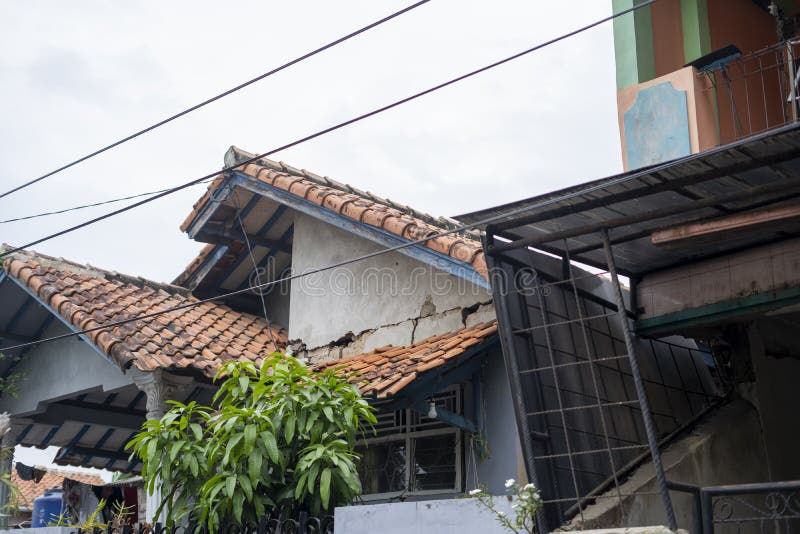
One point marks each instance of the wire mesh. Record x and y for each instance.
(577, 391)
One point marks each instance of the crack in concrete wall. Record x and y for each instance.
(429, 323)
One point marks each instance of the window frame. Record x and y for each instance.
(407, 435)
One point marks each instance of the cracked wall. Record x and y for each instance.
(390, 299)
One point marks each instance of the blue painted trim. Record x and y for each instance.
(376, 235)
(62, 319)
(219, 250)
(99, 444)
(284, 240)
(136, 400)
(211, 260)
(46, 441)
(18, 315)
(206, 212)
(477, 403)
(446, 416)
(45, 324)
(24, 433)
(261, 232)
(65, 451)
(431, 382)
(122, 449)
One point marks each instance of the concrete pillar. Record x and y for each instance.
(159, 387)
(8, 442)
(633, 44)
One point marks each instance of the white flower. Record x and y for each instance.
(529, 487)
(474, 492)
(509, 482)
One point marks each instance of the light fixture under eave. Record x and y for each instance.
(432, 414)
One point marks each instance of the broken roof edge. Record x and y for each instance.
(390, 369)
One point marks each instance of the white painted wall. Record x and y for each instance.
(384, 290)
(452, 516)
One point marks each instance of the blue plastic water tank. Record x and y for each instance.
(47, 508)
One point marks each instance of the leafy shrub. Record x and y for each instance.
(278, 439)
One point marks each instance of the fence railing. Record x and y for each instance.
(764, 508)
(757, 91)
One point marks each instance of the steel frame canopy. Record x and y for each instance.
(579, 428)
(750, 174)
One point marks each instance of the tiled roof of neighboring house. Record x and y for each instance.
(53, 478)
(387, 370)
(198, 338)
(350, 202)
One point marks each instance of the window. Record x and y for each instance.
(411, 453)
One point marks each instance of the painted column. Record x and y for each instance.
(696, 33)
(9, 441)
(159, 387)
(633, 44)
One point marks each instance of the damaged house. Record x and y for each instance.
(417, 323)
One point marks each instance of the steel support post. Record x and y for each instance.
(649, 426)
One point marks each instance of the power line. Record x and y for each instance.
(84, 206)
(471, 226)
(332, 128)
(215, 98)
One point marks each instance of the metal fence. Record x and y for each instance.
(755, 92)
(592, 400)
(764, 508)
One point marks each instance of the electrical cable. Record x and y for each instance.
(331, 128)
(84, 206)
(215, 98)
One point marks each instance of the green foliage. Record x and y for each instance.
(525, 503)
(279, 438)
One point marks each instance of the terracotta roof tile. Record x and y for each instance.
(201, 337)
(29, 490)
(350, 202)
(387, 370)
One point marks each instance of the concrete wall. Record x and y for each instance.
(775, 392)
(391, 299)
(59, 369)
(502, 456)
(693, 124)
(751, 272)
(454, 516)
(727, 448)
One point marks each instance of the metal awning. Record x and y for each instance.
(752, 173)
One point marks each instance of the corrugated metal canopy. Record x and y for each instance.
(762, 170)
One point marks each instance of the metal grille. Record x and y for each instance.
(579, 376)
(755, 92)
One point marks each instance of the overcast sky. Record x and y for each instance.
(75, 76)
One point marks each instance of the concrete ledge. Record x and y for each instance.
(451, 516)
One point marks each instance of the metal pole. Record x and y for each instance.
(707, 510)
(649, 427)
(501, 289)
(792, 81)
